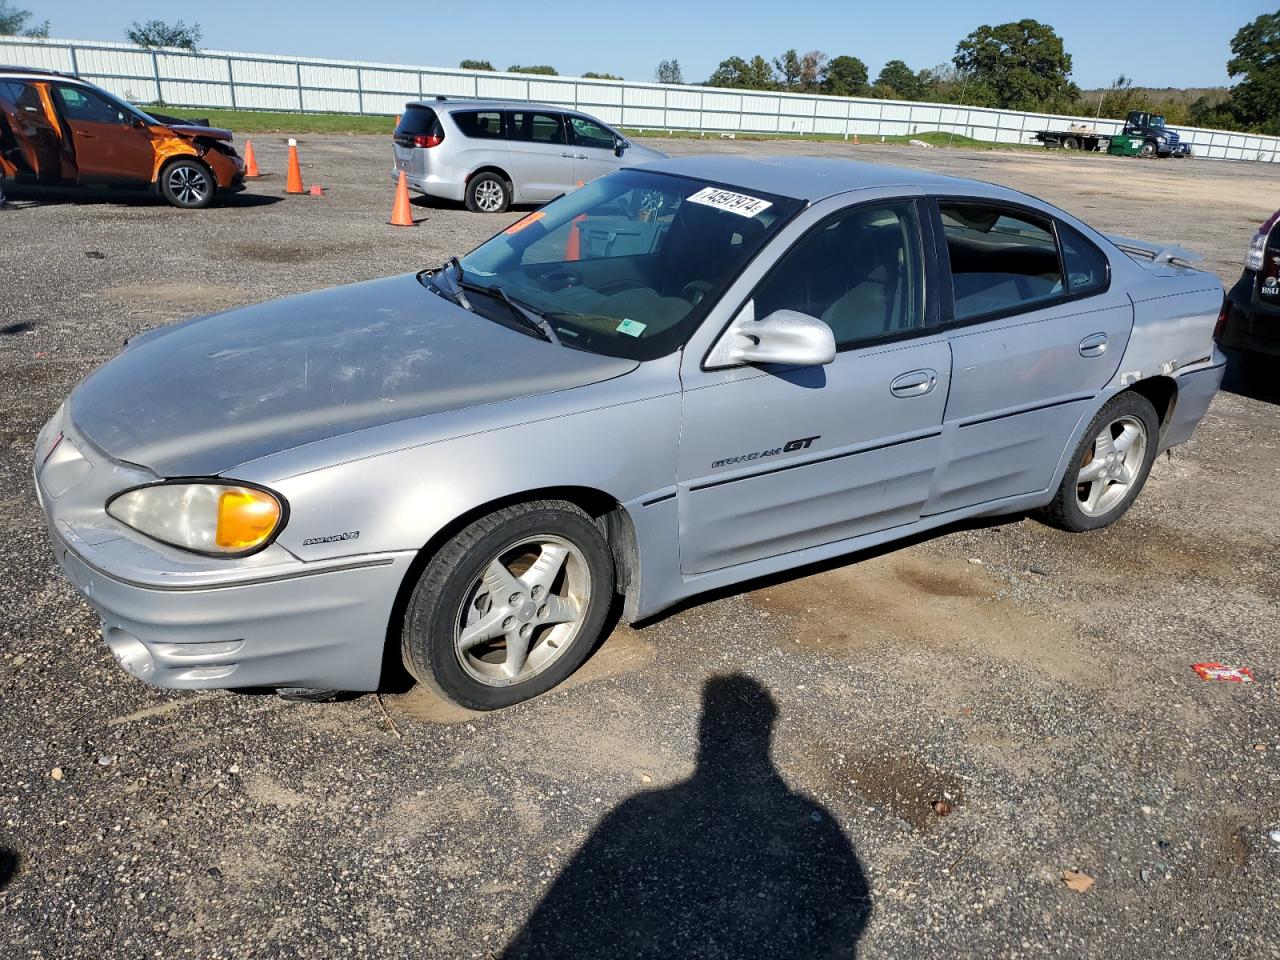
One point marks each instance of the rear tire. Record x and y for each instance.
(510, 606)
(188, 184)
(1109, 466)
(1070, 143)
(488, 193)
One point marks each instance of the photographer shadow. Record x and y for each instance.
(730, 863)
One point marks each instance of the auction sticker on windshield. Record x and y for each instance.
(738, 203)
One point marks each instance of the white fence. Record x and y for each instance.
(251, 81)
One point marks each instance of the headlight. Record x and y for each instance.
(221, 519)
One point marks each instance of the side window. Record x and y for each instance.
(588, 133)
(1000, 260)
(536, 127)
(1087, 266)
(80, 104)
(480, 124)
(27, 98)
(861, 272)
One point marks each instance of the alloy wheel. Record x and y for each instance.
(1111, 466)
(523, 612)
(489, 196)
(189, 184)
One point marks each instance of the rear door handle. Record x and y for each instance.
(1094, 345)
(914, 384)
(567, 155)
(86, 134)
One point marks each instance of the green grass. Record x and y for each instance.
(253, 121)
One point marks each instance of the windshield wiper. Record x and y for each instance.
(426, 277)
(527, 315)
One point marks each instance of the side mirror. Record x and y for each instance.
(620, 145)
(784, 336)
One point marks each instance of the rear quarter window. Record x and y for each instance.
(1087, 268)
(479, 124)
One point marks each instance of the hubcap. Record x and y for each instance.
(1111, 466)
(489, 196)
(188, 184)
(523, 611)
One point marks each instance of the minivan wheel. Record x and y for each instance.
(188, 184)
(510, 606)
(488, 193)
(1109, 467)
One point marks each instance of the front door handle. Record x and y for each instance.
(914, 384)
(86, 134)
(1094, 345)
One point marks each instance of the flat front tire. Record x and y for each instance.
(1109, 466)
(510, 606)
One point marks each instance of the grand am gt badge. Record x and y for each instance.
(791, 446)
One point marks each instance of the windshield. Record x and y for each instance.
(629, 264)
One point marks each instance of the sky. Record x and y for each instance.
(1180, 43)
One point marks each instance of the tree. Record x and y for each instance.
(897, 81)
(1121, 97)
(846, 77)
(541, 69)
(475, 65)
(157, 33)
(1019, 66)
(753, 74)
(592, 75)
(788, 67)
(16, 23)
(668, 72)
(1255, 57)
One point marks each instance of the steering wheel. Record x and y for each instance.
(561, 279)
(695, 290)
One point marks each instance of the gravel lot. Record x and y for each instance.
(1035, 685)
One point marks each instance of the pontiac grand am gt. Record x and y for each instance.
(680, 376)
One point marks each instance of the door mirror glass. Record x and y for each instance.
(620, 145)
(785, 337)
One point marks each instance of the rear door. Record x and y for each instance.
(109, 148)
(34, 143)
(541, 157)
(593, 148)
(1035, 332)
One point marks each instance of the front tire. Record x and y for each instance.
(510, 606)
(1109, 467)
(488, 193)
(1148, 150)
(188, 184)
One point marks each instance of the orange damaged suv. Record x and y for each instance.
(56, 130)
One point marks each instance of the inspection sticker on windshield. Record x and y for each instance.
(738, 203)
(632, 328)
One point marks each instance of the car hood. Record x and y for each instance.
(200, 397)
(195, 130)
(638, 154)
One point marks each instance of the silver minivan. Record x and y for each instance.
(493, 153)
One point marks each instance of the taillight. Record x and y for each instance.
(1222, 319)
(1258, 245)
(427, 140)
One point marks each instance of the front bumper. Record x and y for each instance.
(179, 620)
(1253, 321)
(1179, 150)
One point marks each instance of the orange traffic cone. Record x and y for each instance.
(401, 213)
(250, 161)
(573, 243)
(855, 139)
(294, 183)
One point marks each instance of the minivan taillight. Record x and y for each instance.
(427, 140)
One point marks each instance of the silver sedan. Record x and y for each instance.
(678, 377)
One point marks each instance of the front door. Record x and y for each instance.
(109, 147)
(778, 459)
(541, 157)
(1031, 348)
(593, 149)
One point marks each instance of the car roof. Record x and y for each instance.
(810, 178)
(449, 103)
(40, 73)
